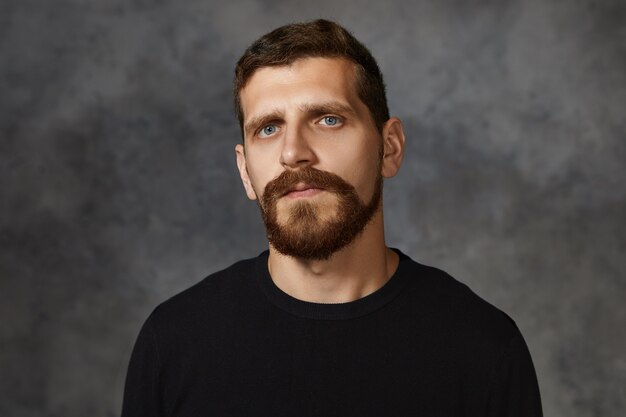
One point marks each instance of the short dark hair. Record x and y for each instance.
(319, 38)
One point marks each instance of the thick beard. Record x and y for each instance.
(305, 235)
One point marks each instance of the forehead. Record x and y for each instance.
(305, 81)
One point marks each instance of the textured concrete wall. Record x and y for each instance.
(118, 185)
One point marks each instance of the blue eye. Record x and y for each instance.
(268, 130)
(330, 120)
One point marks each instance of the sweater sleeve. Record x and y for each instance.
(514, 389)
(141, 391)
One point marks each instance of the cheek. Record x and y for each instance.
(363, 167)
(259, 187)
(257, 184)
(258, 174)
(362, 173)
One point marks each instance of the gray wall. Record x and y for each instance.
(118, 185)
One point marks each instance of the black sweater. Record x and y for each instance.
(422, 345)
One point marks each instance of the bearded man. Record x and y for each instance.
(328, 321)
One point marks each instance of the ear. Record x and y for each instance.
(243, 172)
(393, 147)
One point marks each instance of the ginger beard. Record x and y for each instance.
(306, 232)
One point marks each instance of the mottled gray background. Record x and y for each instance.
(118, 185)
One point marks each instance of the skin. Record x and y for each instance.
(309, 114)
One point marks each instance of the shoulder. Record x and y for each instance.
(210, 298)
(454, 308)
(477, 338)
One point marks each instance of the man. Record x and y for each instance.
(329, 321)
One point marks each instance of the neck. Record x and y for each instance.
(353, 272)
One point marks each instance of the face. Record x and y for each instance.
(312, 157)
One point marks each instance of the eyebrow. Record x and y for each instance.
(262, 119)
(327, 107)
(311, 108)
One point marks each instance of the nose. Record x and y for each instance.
(296, 151)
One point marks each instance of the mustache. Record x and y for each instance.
(312, 177)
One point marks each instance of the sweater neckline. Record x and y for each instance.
(335, 311)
